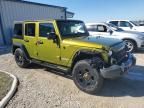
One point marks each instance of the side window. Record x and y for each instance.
(18, 30)
(91, 28)
(125, 24)
(101, 28)
(114, 23)
(45, 28)
(30, 29)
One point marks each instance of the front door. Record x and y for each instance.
(126, 26)
(48, 50)
(30, 39)
(102, 30)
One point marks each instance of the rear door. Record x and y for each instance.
(30, 39)
(48, 49)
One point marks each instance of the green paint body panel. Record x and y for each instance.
(64, 52)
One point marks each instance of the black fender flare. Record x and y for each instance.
(93, 54)
(22, 47)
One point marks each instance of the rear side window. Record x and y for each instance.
(18, 31)
(92, 28)
(114, 23)
(125, 24)
(30, 29)
(45, 28)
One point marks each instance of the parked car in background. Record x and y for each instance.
(134, 40)
(127, 25)
(141, 24)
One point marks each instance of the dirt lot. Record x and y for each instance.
(5, 84)
(41, 88)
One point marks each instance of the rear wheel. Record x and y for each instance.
(20, 58)
(86, 77)
(131, 45)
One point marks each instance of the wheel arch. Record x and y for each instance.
(22, 47)
(130, 39)
(84, 54)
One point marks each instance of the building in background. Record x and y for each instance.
(18, 10)
(69, 14)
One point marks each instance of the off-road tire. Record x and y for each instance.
(20, 58)
(96, 82)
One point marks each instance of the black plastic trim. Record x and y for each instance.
(22, 47)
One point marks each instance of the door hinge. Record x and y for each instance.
(37, 53)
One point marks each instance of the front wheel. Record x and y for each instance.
(86, 77)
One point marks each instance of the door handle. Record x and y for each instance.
(26, 40)
(39, 42)
(64, 47)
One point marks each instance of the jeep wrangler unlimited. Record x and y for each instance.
(65, 45)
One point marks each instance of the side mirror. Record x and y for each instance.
(51, 35)
(110, 31)
(131, 27)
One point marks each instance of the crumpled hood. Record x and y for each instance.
(93, 41)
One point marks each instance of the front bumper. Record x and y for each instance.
(116, 71)
(140, 43)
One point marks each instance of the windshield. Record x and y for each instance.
(72, 28)
(134, 23)
(115, 28)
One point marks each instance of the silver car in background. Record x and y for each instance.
(127, 25)
(133, 40)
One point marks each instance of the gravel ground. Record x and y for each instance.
(5, 84)
(42, 88)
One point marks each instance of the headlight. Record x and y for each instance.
(110, 53)
(113, 61)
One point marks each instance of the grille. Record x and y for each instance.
(120, 55)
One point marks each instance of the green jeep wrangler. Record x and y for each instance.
(65, 45)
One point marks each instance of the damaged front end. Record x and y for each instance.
(120, 62)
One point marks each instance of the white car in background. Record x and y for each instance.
(127, 25)
(134, 40)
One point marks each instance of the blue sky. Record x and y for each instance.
(101, 10)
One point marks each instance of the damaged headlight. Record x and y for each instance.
(113, 61)
(110, 53)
